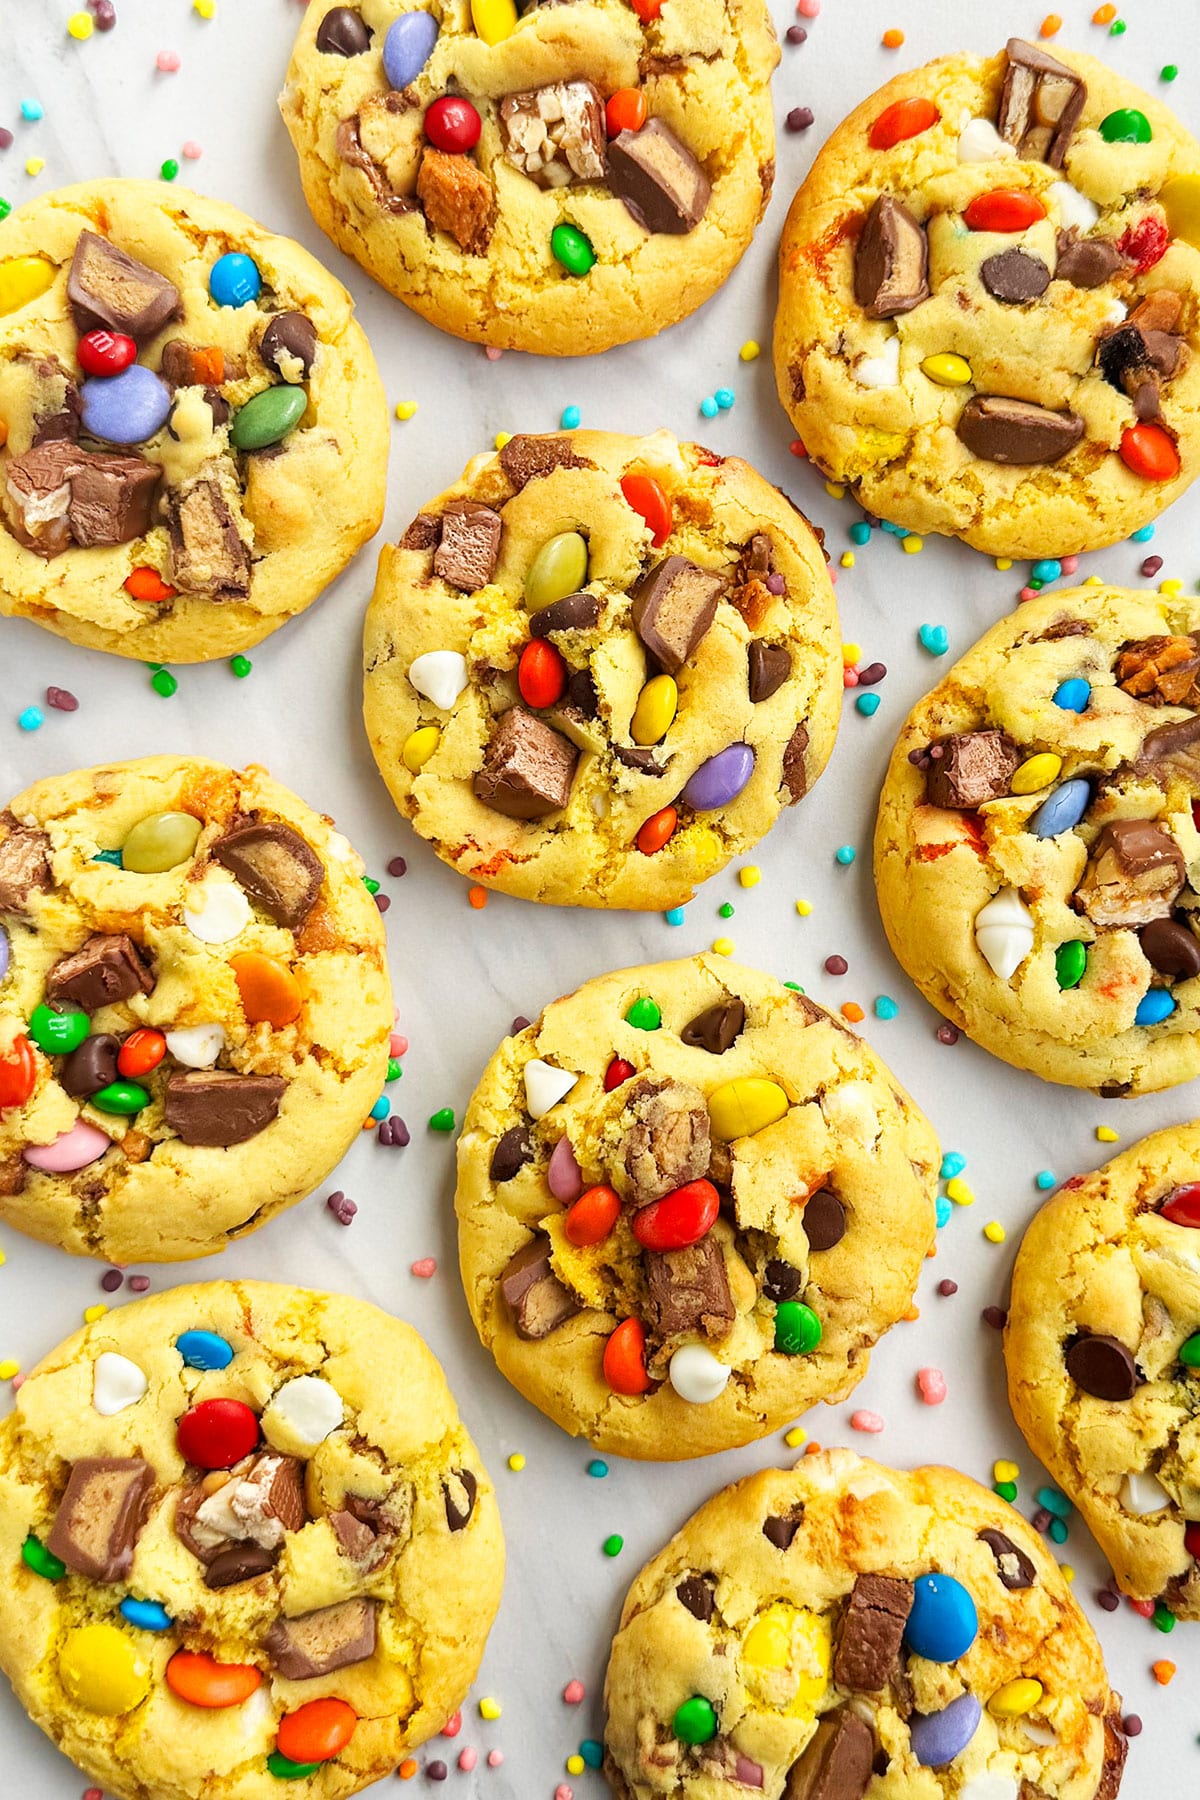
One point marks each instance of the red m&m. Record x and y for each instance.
(217, 1433)
(18, 1073)
(679, 1219)
(1004, 209)
(105, 352)
(452, 123)
(1183, 1206)
(903, 119)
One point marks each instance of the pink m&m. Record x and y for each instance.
(71, 1150)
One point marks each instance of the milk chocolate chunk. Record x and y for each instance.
(1134, 875)
(871, 1632)
(1136, 357)
(639, 757)
(780, 1280)
(207, 552)
(555, 134)
(1086, 262)
(106, 969)
(237, 1563)
(276, 867)
(695, 1593)
(425, 533)
(24, 864)
(342, 32)
(100, 1515)
(1014, 276)
(1013, 1567)
(537, 1299)
(1171, 750)
(581, 693)
(717, 1027)
(794, 769)
(577, 612)
(666, 1139)
(663, 186)
(511, 1154)
(289, 345)
(525, 458)
(319, 1642)
(1171, 948)
(1000, 430)
(891, 263)
(768, 667)
(1101, 1365)
(688, 1291)
(527, 768)
(1040, 104)
(458, 199)
(824, 1220)
(218, 1107)
(91, 1067)
(781, 1528)
(57, 494)
(673, 609)
(459, 1491)
(366, 1530)
(107, 287)
(1162, 671)
(469, 549)
(837, 1763)
(969, 768)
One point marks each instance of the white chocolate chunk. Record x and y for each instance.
(697, 1376)
(116, 1383)
(301, 1414)
(196, 1046)
(980, 142)
(1142, 1492)
(440, 675)
(216, 912)
(1004, 932)
(882, 370)
(1074, 208)
(545, 1086)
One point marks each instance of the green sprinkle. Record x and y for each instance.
(241, 666)
(5, 208)
(726, 911)
(442, 1119)
(393, 1070)
(169, 170)
(287, 1770)
(614, 1545)
(644, 1015)
(1162, 1618)
(164, 683)
(35, 1556)
(370, 883)
(1007, 1490)
(1118, 28)
(1168, 72)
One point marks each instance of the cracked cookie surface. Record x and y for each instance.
(243, 1531)
(598, 174)
(1102, 1346)
(600, 666)
(690, 1201)
(194, 1006)
(166, 450)
(1036, 857)
(990, 303)
(845, 1630)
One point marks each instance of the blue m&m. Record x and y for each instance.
(943, 1623)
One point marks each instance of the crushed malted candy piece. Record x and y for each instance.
(24, 864)
(555, 134)
(1040, 104)
(537, 1299)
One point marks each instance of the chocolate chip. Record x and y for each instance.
(824, 1220)
(208, 555)
(319, 1642)
(1101, 1365)
(100, 1515)
(966, 770)
(795, 768)
(525, 459)
(1001, 430)
(1170, 948)
(781, 1528)
(837, 1762)
(673, 609)
(1015, 1569)
(537, 1299)
(891, 264)
(106, 969)
(105, 287)
(459, 1491)
(688, 1291)
(1014, 276)
(218, 1107)
(289, 345)
(1086, 262)
(92, 1067)
(581, 693)
(577, 612)
(24, 863)
(871, 1632)
(662, 185)
(717, 1027)
(511, 1154)
(634, 756)
(1040, 104)
(666, 1140)
(276, 867)
(342, 32)
(239, 1562)
(528, 767)
(780, 1280)
(695, 1592)
(768, 667)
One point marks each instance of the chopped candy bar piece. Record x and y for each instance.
(1040, 104)
(525, 458)
(537, 1299)
(555, 134)
(458, 198)
(667, 1141)
(57, 494)
(207, 552)
(469, 547)
(673, 609)
(1162, 671)
(688, 1291)
(1016, 431)
(218, 1107)
(871, 1633)
(24, 864)
(969, 768)
(891, 264)
(527, 768)
(100, 1515)
(837, 1762)
(107, 287)
(1135, 874)
(106, 969)
(658, 178)
(319, 1642)
(276, 867)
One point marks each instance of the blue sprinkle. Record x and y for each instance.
(860, 533)
(944, 1211)
(234, 279)
(1045, 1179)
(1049, 569)
(1055, 1501)
(709, 408)
(868, 705)
(935, 639)
(381, 1108)
(147, 1615)
(598, 1467)
(1058, 1530)
(885, 1007)
(109, 856)
(1155, 1005)
(845, 855)
(31, 718)
(953, 1163)
(592, 1752)
(32, 110)
(724, 398)
(1143, 536)
(1073, 695)
(674, 916)
(571, 417)
(204, 1350)
(896, 531)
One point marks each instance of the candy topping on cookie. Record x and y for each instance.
(102, 1671)
(216, 1434)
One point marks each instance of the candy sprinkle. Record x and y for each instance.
(892, 40)
(516, 1462)
(442, 1119)
(31, 718)
(597, 1468)
(795, 1437)
(613, 1546)
(749, 351)
(405, 409)
(1163, 1672)
(994, 1232)
(931, 1385)
(1106, 1135)
(80, 25)
(1050, 25)
(862, 1420)
(573, 1693)
(885, 1007)
(424, 1268)
(845, 855)
(489, 1708)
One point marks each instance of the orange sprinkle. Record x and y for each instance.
(1163, 1672)
(893, 39)
(853, 1011)
(1049, 25)
(812, 1449)
(408, 1768)
(797, 448)
(478, 898)
(913, 1313)
(1104, 15)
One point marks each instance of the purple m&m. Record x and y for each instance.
(3, 953)
(720, 779)
(71, 1150)
(564, 1177)
(937, 1738)
(408, 47)
(127, 408)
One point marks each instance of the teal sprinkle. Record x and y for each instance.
(860, 533)
(1045, 1179)
(935, 639)
(885, 1007)
(592, 1751)
(1162, 1618)
(1049, 569)
(724, 398)
(725, 911)
(709, 408)
(109, 856)
(571, 417)
(31, 718)
(868, 704)
(944, 1211)
(1142, 535)
(381, 1108)
(1058, 1531)
(953, 1163)
(1055, 1501)
(674, 916)
(845, 855)
(1007, 1490)
(598, 1468)
(896, 531)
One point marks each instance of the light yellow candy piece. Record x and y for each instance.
(160, 841)
(655, 711)
(101, 1670)
(750, 875)
(1015, 1698)
(768, 1642)
(994, 1232)
(419, 746)
(559, 568)
(851, 653)
(22, 279)
(947, 369)
(959, 1191)
(723, 946)
(1036, 772)
(748, 1104)
(494, 19)
(1106, 1135)
(1180, 199)
(489, 1708)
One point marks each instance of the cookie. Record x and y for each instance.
(559, 182)
(1102, 1349)
(246, 1540)
(197, 434)
(989, 303)
(1036, 856)
(194, 1006)
(600, 666)
(841, 1629)
(669, 1188)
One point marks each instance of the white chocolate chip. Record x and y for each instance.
(216, 912)
(1142, 1492)
(882, 370)
(545, 1086)
(196, 1046)
(116, 1383)
(1004, 932)
(440, 675)
(1074, 208)
(979, 142)
(301, 1414)
(697, 1376)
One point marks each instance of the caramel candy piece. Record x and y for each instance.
(319, 1642)
(207, 552)
(192, 365)
(663, 186)
(276, 867)
(537, 1299)
(555, 134)
(458, 199)
(891, 264)
(106, 969)
(688, 1291)
(100, 1515)
(969, 768)
(837, 1761)
(871, 1632)
(469, 547)
(667, 1141)
(218, 1107)
(107, 287)
(673, 609)
(1171, 750)
(24, 864)
(1161, 671)
(1040, 104)
(57, 495)
(1135, 874)
(1000, 430)
(527, 768)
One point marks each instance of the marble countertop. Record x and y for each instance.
(460, 974)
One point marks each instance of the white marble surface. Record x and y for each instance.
(461, 975)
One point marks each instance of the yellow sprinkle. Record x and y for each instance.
(995, 1232)
(795, 1437)
(1004, 562)
(749, 350)
(835, 490)
(489, 1708)
(851, 653)
(912, 546)
(502, 438)
(750, 876)
(80, 25)
(804, 907)
(575, 1764)
(516, 1462)
(1106, 1135)
(958, 1191)
(1094, 581)
(1003, 1470)
(722, 946)
(847, 559)
(406, 408)
(92, 1313)
(3, 1257)
(206, 8)
(1066, 1571)
(35, 165)
(1172, 586)
(9, 1368)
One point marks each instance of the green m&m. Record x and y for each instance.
(1126, 126)
(695, 1722)
(797, 1328)
(35, 1556)
(572, 249)
(159, 842)
(58, 1033)
(1070, 961)
(120, 1097)
(1189, 1352)
(287, 1770)
(645, 1014)
(268, 417)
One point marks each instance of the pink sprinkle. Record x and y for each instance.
(453, 1725)
(167, 61)
(93, 1794)
(467, 1759)
(397, 1044)
(492, 354)
(1069, 564)
(832, 573)
(808, 9)
(563, 1792)
(425, 1267)
(495, 1758)
(1144, 1608)
(931, 1385)
(192, 150)
(849, 677)
(18, 1382)
(1028, 593)
(573, 1693)
(862, 1420)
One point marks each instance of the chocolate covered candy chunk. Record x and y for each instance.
(1162, 671)
(1171, 750)
(262, 1501)
(459, 1492)
(425, 533)
(343, 32)
(794, 768)
(1171, 948)
(458, 199)
(100, 1515)
(24, 864)
(1014, 276)
(1134, 874)
(871, 1633)
(512, 1152)
(525, 459)
(555, 134)
(717, 1027)
(1013, 1567)
(86, 1070)
(195, 365)
(289, 345)
(658, 178)
(237, 1563)
(576, 612)
(52, 397)
(527, 768)
(537, 1299)
(469, 549)
(824, 1220)
(218, 1107)
(207, 552)
(276, 867)
(1040, 104)
(1086, 262)
(666, 1141)
(1101, 1365)
(768, 667)
(319, 1642)
(106, 969)
(107, 287)
(966, 770)
(57, 494)
(1136, 357)
(1000, 430)
(688, 1291)
(367, 1530)
(891, 263)
(673, 609)
(837, 1762)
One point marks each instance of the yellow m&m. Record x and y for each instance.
(947, 369)
(1036, 773)
(22, 279)
(494, 19)
(101, 1670)
(419, 746)
(1015, 1698)
(740, 1108)
(655, 711)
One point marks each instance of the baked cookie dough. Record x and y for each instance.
(689, 1201)
(1036, 855)
(841, 1630)
(1102, 1347)
(559, 182)
(196, 432)
(989, 303)
(246, 1541)
(194, 1006)
(598, 667)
